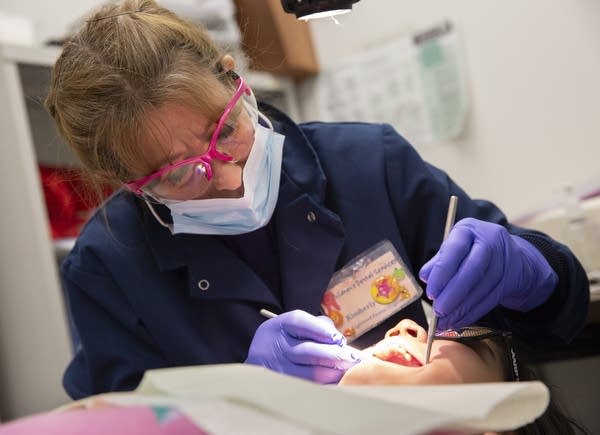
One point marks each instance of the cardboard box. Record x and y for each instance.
(275, 41)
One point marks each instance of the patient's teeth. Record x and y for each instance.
(406, 354)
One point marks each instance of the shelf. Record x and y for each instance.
(29, 284)
(33, 55)
(62, 247)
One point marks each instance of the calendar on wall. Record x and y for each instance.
(417, 83)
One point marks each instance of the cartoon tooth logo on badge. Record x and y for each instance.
(386, 289)
(331, 308)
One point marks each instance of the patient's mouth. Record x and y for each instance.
(392, 351)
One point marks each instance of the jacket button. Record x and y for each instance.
(311, 217)
(203, 284)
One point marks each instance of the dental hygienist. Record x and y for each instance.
(226, 209)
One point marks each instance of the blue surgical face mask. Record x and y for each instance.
(227, 216)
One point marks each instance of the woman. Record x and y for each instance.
(226, 210)
(465, 355)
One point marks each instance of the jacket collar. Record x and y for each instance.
(300, 161)
(214, 271)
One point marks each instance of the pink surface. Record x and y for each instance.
(130, 420)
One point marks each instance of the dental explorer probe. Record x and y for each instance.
(363, 355)
(434, 320)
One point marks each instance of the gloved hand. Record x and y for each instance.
(480, 266)
(300, 344)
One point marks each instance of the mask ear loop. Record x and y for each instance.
(265, 119)
(259, 114)
(158, 218)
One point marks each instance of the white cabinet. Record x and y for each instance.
(34, 340)
(34, 337)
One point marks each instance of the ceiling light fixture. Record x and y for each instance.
(311, 9)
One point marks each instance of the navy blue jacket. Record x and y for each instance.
(141, 298)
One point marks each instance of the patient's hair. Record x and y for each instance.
(555, 419)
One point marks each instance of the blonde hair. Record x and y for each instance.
(127, 60)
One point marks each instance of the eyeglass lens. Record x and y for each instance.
(192, 180)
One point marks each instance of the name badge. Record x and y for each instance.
(368, 290)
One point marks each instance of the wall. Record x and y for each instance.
(533, 74)
(51, 19)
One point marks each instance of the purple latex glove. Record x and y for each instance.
(480, 266)
(300, 344)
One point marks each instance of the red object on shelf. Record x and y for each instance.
(69, 200)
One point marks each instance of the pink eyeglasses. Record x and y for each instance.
(186, 178)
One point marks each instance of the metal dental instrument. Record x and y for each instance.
(268, 314)
(364, 356)
(434, 320)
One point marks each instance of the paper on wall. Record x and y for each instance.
(417, 83)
